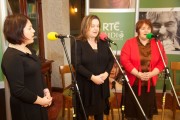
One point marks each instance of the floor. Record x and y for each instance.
(54, 109)
(117, 116)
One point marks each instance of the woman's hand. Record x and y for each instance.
(145, 76)
(97, 79)
(47, 95)
(44, 102)
(104, 75)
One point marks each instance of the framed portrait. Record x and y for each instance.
(166, 26)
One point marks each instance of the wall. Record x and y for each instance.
(56, 19)
(76, 17)
(1, 37)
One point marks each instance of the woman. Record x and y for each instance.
(29, 95)
(142, 62)
(93, 64)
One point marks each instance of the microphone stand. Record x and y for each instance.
(74, 87)
(167, 74)
(164, 96)
(123, 96)
(114, 87)
(127, 80)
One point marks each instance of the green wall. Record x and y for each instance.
(1, 76)
(159, 3)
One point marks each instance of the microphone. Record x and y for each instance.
(55, 36)
(104, 37)
(150, 35)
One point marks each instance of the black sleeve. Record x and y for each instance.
(14, 72)
(43, 82)
(77, 61)
(42, 77)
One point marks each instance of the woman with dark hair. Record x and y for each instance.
(93, 64)
(142, 62)
(29, 94)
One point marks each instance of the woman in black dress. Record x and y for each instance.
(93, 64)
(22, 68)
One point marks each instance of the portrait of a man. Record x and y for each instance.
(166, 26)
(112, 3)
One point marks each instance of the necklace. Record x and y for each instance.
(21, 48)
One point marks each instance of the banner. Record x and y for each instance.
(119, 26)
(117, 19)
(118, 22)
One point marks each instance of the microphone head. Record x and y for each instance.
(103, 36)
(149, 36)
(52, 36)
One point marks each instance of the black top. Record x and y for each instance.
(88, 62)
(23, 72)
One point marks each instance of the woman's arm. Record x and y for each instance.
(16, 79)
(77, 60)
(126, 55)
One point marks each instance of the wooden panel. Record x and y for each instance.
(2, 105)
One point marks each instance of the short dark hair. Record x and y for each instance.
(13, 28)
(140, 23)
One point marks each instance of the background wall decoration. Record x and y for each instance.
(116, 27)
(119, 24)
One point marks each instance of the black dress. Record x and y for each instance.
(87, 62)
(23, 73)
